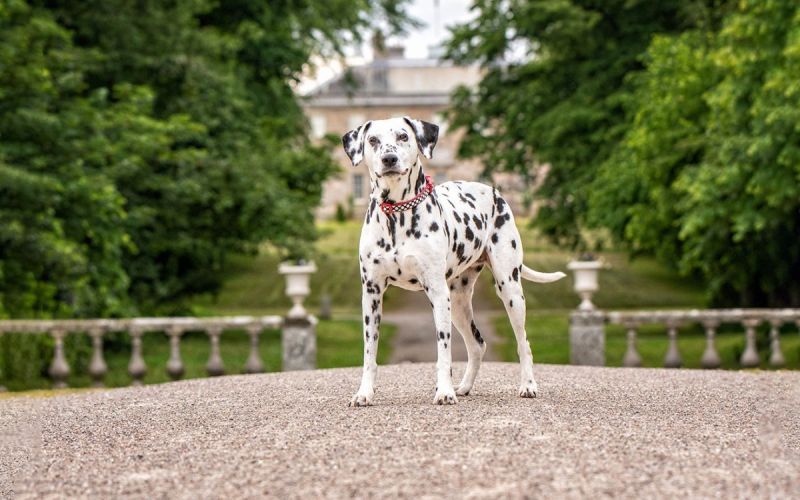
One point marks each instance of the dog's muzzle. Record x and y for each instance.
(390, 166)
(389, 160)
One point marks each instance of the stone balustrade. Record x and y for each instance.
(298, 338)
(298, 335)
(711, 320)
(587, 335)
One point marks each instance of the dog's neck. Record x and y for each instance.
(398, 188)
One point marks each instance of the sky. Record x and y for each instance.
(432, 32)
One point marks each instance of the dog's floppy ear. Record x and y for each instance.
(426, 133)
(353, 143)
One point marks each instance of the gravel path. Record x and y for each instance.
(593, 432)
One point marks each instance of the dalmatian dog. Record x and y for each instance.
(437, 240)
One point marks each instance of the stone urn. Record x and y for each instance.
(586, 283)
(298, 276)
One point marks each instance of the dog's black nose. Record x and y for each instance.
(389, 160)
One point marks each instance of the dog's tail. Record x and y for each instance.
(537, 277)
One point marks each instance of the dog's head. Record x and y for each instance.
(391, 147)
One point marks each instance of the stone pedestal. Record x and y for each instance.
(587, 338)
(299, 342)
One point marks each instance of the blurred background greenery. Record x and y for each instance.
(672, 125)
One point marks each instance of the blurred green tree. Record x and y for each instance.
(708, 176)
(61, 223)
(555, 90)
(142, 142)
(672, 124)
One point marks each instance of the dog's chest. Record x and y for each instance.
(396, 247)
(449, 231)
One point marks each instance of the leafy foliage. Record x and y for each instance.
(708, 175)
(563, 103)
(672, 124)
(143, 142)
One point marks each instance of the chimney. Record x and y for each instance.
(378, 45)
(381, 51)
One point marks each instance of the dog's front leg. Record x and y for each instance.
(372, 306)
(439, 295)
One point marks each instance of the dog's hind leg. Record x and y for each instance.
(505, 259)
(514, 301)
(461, 294)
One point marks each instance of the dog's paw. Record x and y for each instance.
(528, 390)
(463, 390)
(445, 398)
(361, 400)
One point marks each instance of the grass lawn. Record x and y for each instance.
(624, 284)
(338, 344)
(255, 287)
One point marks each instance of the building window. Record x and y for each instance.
(440, 177)
(318, 126)
(356, 120)
(358, 186)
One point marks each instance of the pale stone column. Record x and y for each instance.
(750, 357)
(175, 368)
(215, 366)
(2, 387)
(587, 338)
(254, 364)
(299, 343)
(632, 357)
(710, 357)
(673, 357)
(97, 367)
(136, 367)
(59, 369)
(776, 358)
(299, 333)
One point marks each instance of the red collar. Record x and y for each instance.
(390, 208)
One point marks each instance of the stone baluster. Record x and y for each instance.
(254, 364)
(750, 357)
(137, 367)
(215, 367)
(2, 387)
(632, 357)
(59, 368)
(97, 367)
(776, 358)
(673, 357)
(175, 368)
(711, 357)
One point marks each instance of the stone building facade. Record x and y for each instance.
(387, 87)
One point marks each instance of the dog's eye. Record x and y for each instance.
(374, 141)
(402, 137)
